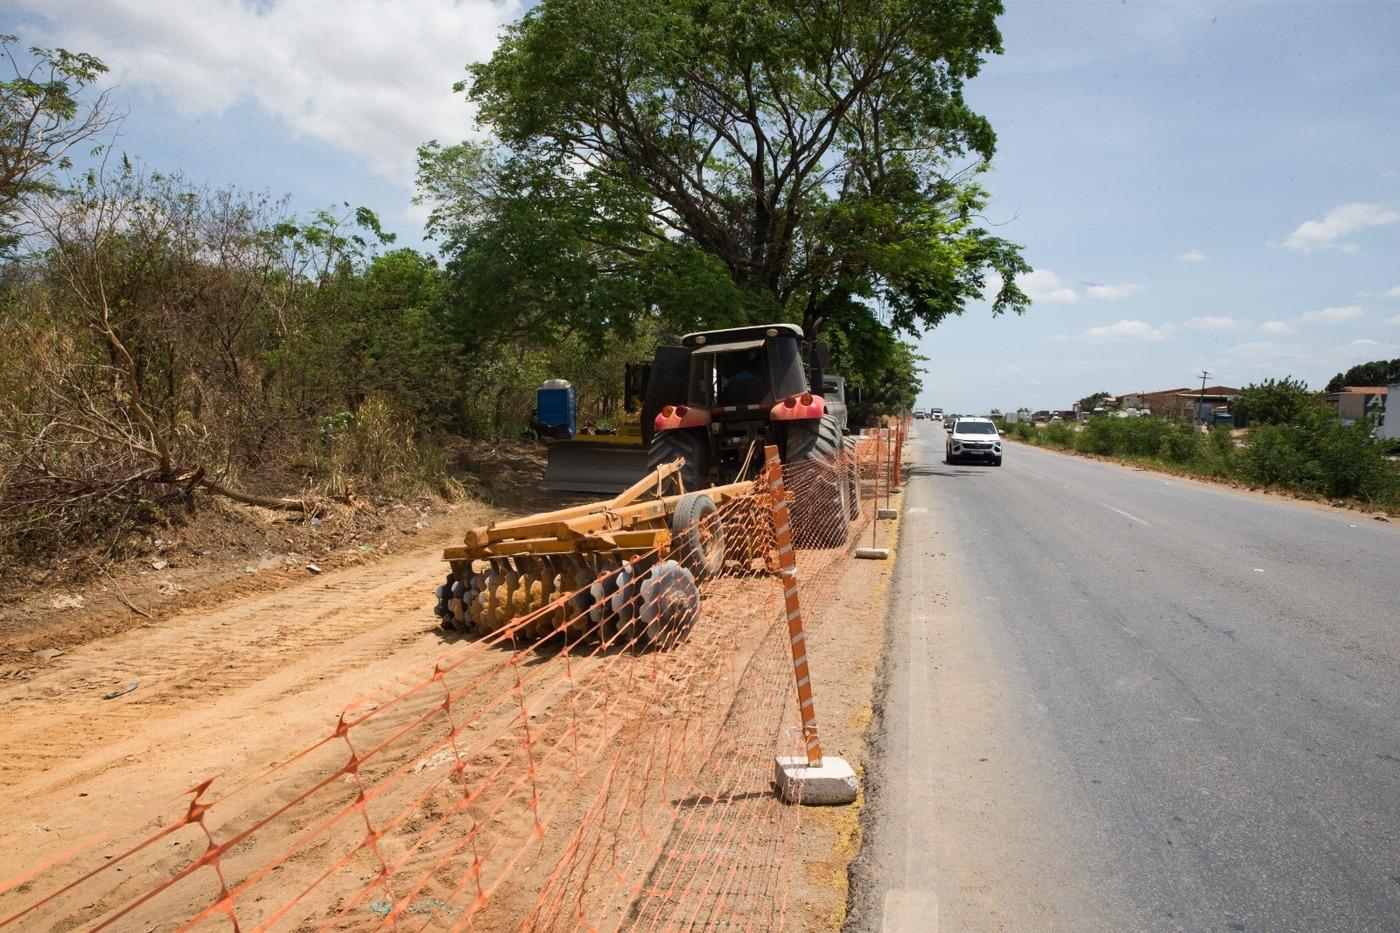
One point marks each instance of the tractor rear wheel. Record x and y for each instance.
(690, 443)
(819, 482)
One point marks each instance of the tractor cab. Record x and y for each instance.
(723, 394)
(744, 369)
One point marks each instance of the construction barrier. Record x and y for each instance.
(608, 768)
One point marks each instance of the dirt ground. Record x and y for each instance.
(227, 552)
(132, 711)
(845, 636)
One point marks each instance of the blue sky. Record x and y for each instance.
(1231, 173)
(1199, 185)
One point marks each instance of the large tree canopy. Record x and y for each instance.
(1374, 373)
(42, 117)
(714, 161)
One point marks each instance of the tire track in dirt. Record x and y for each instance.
(243, 683)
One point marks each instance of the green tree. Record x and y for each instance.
(42, 117)
(1090, 402)
(1273, 401)
(734, 160)
(1374, 373)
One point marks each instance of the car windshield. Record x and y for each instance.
(976, 427)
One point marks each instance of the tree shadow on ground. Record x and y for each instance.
(943, 471)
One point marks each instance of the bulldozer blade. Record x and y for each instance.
(578, 466)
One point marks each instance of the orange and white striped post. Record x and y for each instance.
(787, 570)
(899, 452)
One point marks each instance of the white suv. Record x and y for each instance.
(974, 439)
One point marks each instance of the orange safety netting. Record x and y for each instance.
(607, 766)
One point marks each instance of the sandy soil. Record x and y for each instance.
(216, 688)
(240, 673)
(846, 631)
(225, 552)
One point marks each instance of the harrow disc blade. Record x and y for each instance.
(623, 603)
(670, 601)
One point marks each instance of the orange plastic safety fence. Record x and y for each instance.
(602, 760)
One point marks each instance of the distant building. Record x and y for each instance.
(1181, 402)
(1163, 402)
(1390, 420)
(1357, 402)
(1203, 404)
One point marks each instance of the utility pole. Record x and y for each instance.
(1200, 402)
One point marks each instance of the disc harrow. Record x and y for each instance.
(625, 571)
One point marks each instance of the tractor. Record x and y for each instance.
(723, 395)
(707, 410)
(716, 401)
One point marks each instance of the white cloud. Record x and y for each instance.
(1125, 331)
(1112, 292)
(1209, 322)
(1337, 223)
(1393, 320)
(1276, 327)
(1391, 292)
(1045, 286)
(1191, 255)
(1366, 348)
(1272, 350)
(1331, 315)
(369, 77)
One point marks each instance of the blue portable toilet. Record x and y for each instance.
(557, 409)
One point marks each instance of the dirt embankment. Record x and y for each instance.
(224, 553)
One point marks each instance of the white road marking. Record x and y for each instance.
(1035, 474)
(1125, 514)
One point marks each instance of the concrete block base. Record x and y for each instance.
(887, 513)
(873, 553)
(831, 785)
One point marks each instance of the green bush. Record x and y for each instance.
(1307, 448)
(1100, 436)
(1142, 437)
(1280, 401)
(1317, 453)
(1058, 434)
(1180, 444)
(1217, 455)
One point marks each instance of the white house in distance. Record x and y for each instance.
(1357, 402)
(1390, 418)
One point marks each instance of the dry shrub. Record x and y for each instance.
(378, 446)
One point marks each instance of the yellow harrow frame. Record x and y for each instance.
(511, 569)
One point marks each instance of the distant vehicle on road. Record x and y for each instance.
(973, 439)
(936, 414)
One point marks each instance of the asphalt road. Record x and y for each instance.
(1117, 700)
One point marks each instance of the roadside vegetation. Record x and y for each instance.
(169, 342)
(1295, 443)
